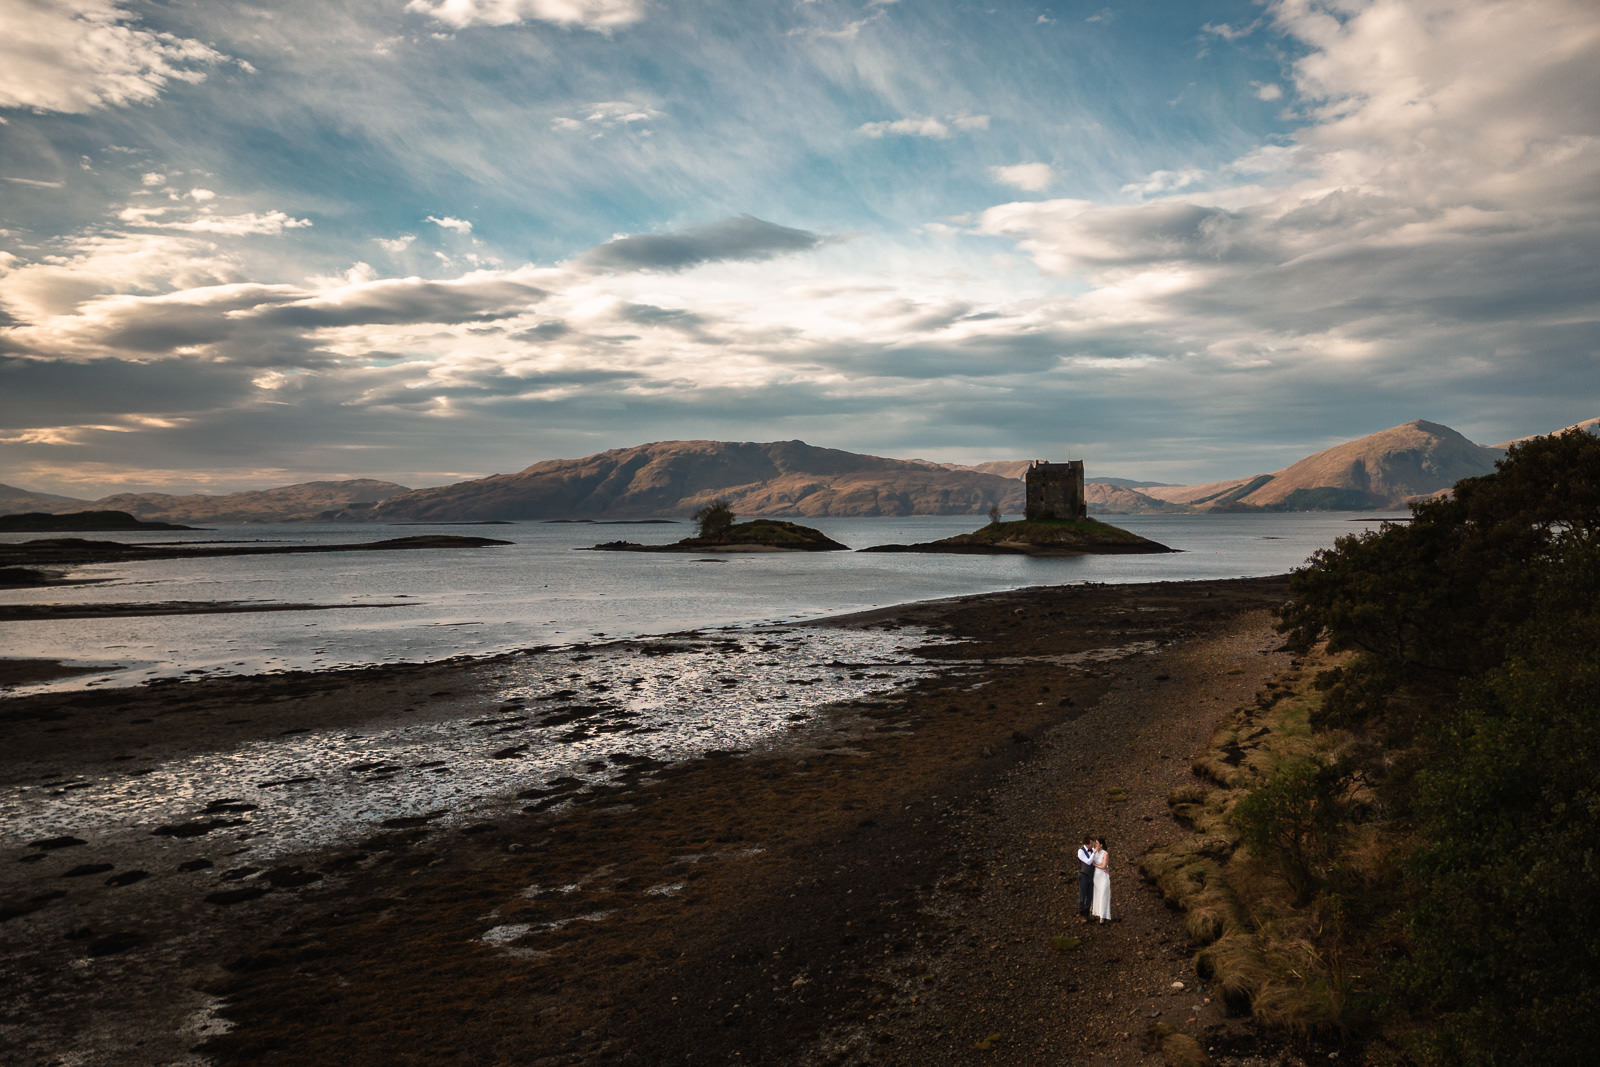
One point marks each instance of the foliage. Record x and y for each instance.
(1475, 688)
(1292, 820)
(715, 519)
(774, 532)
(995, 514)
(1505, 949)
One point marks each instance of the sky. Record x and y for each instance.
(251, 244)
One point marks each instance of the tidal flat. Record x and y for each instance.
(812, 843)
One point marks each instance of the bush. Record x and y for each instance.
(1291, 821)
(1477, 686)
(715, 519)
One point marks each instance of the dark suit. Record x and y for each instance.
(1085, 884)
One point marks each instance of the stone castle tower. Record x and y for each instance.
(1055, 490)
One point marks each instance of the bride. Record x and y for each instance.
(1100, 908)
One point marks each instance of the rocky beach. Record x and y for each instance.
(841, 842)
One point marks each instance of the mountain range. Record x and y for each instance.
(291, 503)
(1384, 470)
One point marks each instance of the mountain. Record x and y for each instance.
(14, 501)
(793, 479)
(783, 478)
(1382, 470)
(289, 503)
(1005, 468)
(1108, 498)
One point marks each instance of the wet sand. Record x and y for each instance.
(886, 879)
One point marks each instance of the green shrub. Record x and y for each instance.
(1291, 821)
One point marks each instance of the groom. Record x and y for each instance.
(1085, 876)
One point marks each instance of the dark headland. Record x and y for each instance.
(81, 521)
(43, 561)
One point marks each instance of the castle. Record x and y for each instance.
(1055, 490)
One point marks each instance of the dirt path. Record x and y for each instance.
(1004, 982)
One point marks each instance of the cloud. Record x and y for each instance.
(1034, 177)
(847, 32)
(1160, 182)
(77, 56)
(905, 128)
(448, 223)
(95, 264)
(1418, 234)
(606, 115)
(260, 223)
(1068, 236)
(936, 129)
(1268, 90)
(1229, 32)
(388, 301)
(744, 237)
(601, 15)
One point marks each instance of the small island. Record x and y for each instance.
(77, 521)
(1057, 524)
(1042, 537)
(719, 533)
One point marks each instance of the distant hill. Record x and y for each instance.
(290, 503)
(14, 501)
(782, 478)
(1107, 498)
(1587, 425)
(1005, 468)
(1384, 470)
(779, 479)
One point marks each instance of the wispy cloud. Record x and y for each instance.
(937, 129)
(79, 55)
(607, 114)
(262, 223)
(588, 14)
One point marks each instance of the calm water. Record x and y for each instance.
(578, 713)
(427, 605)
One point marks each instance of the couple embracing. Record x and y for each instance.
(1094, 881)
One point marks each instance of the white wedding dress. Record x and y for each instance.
(1100, 908)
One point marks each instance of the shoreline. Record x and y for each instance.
(815, 891)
